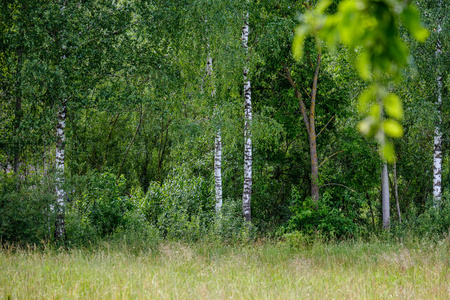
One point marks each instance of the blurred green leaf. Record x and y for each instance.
(393, 128)
(393, 106)
(388, 152)
(411, 18)
(297, 45)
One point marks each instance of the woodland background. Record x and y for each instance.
(144, 87)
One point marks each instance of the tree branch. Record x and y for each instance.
(330, 157)
(325, 126)
(338, 184)
(129, 146)
(299, 97)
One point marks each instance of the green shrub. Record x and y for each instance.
(137, 235)
(327, 217)
(99, 201)
(433, 222)
(230, 225)
(181, 208)
(25, 210)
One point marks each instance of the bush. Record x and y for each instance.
(230, 225)
(433, 222)
(327, 217)
(99, 202)
(137, 235)
(25, 214)
(181, 208)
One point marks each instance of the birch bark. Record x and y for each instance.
(60, 225)
(247, 193)
(217, 144)
(437, 153)
(60, 230)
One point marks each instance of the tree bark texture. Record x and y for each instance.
(310, 127)
(217, 144)
(247, 193)
(385, 196)
(312, 138)
(437, 153)
(17, 117)
(60, 230)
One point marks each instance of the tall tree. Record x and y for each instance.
(217, 140)
(437, 153)
(247, 194)
(309, 121)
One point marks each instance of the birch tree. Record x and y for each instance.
(246, 197)
(217, 141)
(59, 166)
(437, 153)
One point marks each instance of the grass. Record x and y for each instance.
(261, 270)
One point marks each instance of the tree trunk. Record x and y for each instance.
(218, 170)
(385, 196)
(131, 143)
(217, 143)
(17, 116)
(246, 197)
(437, 154)
(310, 127)
(60, 230)
(396, 194)
(312, 138)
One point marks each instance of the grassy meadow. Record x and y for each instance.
(259, 270)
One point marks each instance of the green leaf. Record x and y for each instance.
(388, 152)
(411, 18)
(299, 40)
(363, 65)
(393, 128)
(368, 126)
(393, 106)
(375, 111)
(366, 98)
(364, 126)
(323, 5)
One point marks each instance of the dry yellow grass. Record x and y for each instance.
(358, 270)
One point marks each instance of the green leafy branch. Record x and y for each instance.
(369, 28)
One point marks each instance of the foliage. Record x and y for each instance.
(434, 222)
(26, 214)
(327, 217)
(182, 207)
(369, 28)
(141, 120)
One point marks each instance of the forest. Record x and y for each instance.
(183, 120)
(222, 149)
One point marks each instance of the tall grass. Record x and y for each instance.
(260, 270)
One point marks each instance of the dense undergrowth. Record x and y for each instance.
(101, 208)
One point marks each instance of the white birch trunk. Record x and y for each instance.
(218, 170)
(437, 153)
(60, 156)
(246, 198)
(385, 196)
(217, 147)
